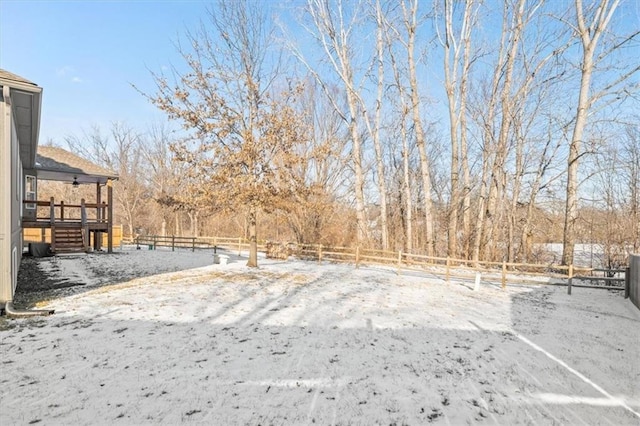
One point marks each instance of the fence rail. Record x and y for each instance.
(192, 243)
(451, 267)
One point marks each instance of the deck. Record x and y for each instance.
(74, 227)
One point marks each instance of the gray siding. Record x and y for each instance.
(10, 204)
(634, 280)
(16, 205)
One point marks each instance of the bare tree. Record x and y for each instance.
(457, 66)
(631, 175)
(121, 152)
(401, 102)
(374, 129)
(243, 130)
(410, 24)
(163, 173)
(590, 26)
(323, 169)
(333, 30)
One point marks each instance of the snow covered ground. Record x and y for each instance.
(302, 343)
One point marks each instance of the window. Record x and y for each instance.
(30, 191)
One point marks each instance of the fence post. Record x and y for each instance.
(570, 279)
(319, 252)
(193, 244)
(154, 242)
(399, 260)
(448, 264)
(239, 245)
(357, 256)
(86, 237)
(173, 243)
(504, 274)
(627, 282)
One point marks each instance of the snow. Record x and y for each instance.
(169, 337)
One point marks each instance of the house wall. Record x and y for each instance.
(5, 199)
(634, 279)
(17, 178)
(10, 199)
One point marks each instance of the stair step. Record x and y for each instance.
(68, 240)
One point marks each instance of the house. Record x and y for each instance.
(20, 105)
(23, 163)
(72, 227)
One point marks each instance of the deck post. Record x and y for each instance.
(52, 222)
(84, 225)
(97, 235)
(109, 216)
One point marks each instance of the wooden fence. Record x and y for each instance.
(503, 272)
(151, 242)
(449, 267)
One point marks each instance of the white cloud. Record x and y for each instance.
(67, 69)
(66, 72)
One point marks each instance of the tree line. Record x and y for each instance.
(465, 129)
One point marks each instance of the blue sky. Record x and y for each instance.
(86, 55)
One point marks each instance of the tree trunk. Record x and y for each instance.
(382, 186)
(406, 185)
(455, 44)
(411, 25)
(464, 152)
(253, 238)
(589, 35)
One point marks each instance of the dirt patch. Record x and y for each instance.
(36, 285)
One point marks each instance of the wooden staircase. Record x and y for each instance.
(68, 239)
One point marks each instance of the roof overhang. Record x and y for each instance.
(71, 176)
(25, 99)
(53, 163)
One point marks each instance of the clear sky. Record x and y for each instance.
(85, 55)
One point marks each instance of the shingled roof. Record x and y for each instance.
(54, 163)
(11, 77)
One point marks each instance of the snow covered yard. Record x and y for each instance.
(301, 343)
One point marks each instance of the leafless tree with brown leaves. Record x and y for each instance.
(241, 128)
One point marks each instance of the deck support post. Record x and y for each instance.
(52, 222)
(109, 216)
(97, 235)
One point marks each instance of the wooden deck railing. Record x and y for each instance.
(60, 211)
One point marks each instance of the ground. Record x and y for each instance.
(166, 337)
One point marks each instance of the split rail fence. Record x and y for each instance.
(451, 268)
